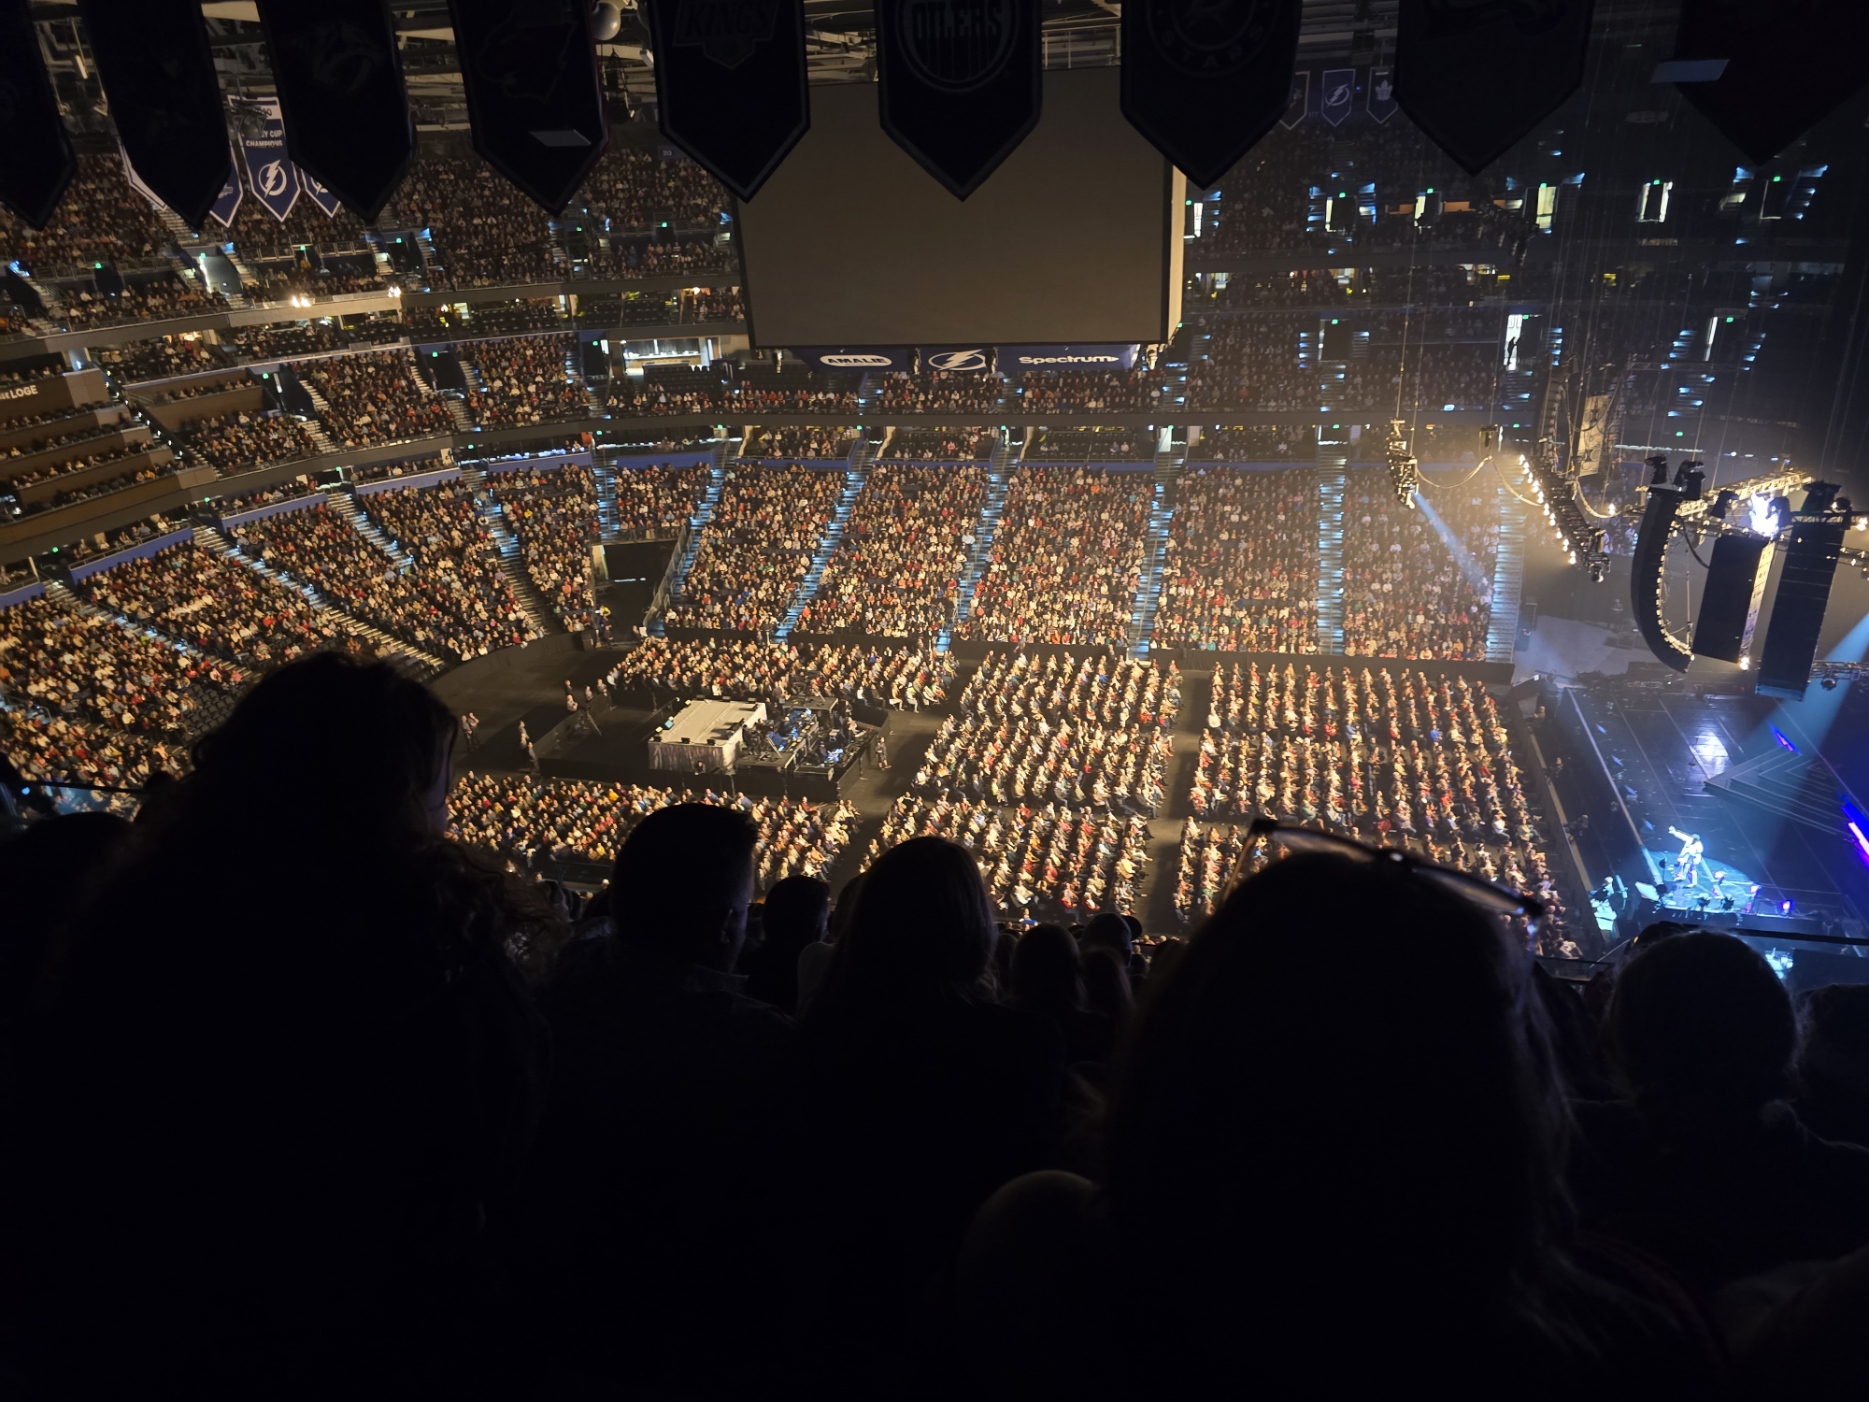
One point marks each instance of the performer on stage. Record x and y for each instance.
(1687, 861)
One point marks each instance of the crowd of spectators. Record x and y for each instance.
(1092, 445)
(273, 283)
(1250, 363)
(649, 257)
(154, 359)
(523, 380)
(938, 391)
(136, 462)
(654, 502)
(1044, 862)
(940, 445)
(255, 233)
(780, 444)
(688, 390)
(1351, 1083)
(553, 511)
(1066, 559)
(282, 340)
(153, 299)
(1407, 591)
(896, 572)
(526, 820)
(756, 548)
(241, 441)
(1241, 569)
(485, 231)
(702, 304)
(1255, 443)
(735, 669)
(1136, 391)
(99, 219)
(633, 189)
(219, 608)
(376, 397)
(455, 553)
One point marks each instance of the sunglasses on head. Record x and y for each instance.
(1501, 900)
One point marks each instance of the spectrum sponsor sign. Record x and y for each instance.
(1015, 360)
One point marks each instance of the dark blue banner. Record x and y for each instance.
(1337, 96)
(962, 359)
(319, 193)
(1300, 99)
(39, 161)
(845, 360)
(275, 180)
(1381, 94)
(227, 202)
(1017, 360)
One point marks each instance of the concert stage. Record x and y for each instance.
(1740, 773)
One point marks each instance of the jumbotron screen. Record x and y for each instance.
(1077, 237)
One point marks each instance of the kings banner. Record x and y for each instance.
(959, 83)
(1205, 79)
(270, 172)
(730, 83)
(1477, 77)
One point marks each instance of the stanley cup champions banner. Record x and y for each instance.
(270, 172)
(1203, 80)
(1478, 75)
(959, 83)
(730, 83)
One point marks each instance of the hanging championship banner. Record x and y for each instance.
(1337, 95)
(275, 180)
(1381, 94)
(164, 98)
(1787, 65)
(730, 83)
(138, 184)
(319, 193)
(1205, 79)
(533, 94)
(339, 73)
(227, 203)
(1299, 101)
(959, 83)
(36, 160)
(1476, 78)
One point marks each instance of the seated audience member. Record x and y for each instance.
(795, 913)
(305, 1102)
(1705, 1165)
(1833, 1067)
(1048, 979)
(1319, 1182)
(645, 1179)
(919, 1095)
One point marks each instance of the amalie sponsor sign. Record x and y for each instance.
(847, 358)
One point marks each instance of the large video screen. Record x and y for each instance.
(1077, 237)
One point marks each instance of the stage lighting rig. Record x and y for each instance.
(1404, 468)
(1580, 538)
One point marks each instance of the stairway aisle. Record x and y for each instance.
(998, 479)
(1331, 482)
(1502, 632)
(1155, 553)
(420, 663)
(855, 476)
(604, 474)
(345, 505)
(697, 524)
(512, 557)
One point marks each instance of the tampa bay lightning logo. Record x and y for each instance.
(957, 45)
(272, 179)
(1206, 38)
(974, 359)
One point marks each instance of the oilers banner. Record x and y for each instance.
(857, 360)
(730, 83)
(1477, 75)
(959, 83)
(270, 172)
(1018, 360)
(1205, 79)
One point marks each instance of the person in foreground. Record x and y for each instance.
(1322, 1176)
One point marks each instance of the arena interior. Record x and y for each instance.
(1087, 610)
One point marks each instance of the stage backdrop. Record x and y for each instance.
(1077, 237)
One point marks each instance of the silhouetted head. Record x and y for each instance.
(1045, 970)
(1296, 1098)
(1109, 930)
(845, 907)
(796, 912)
(47, 872)
(1702, 1033)
(922, 927)
(683, 882)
